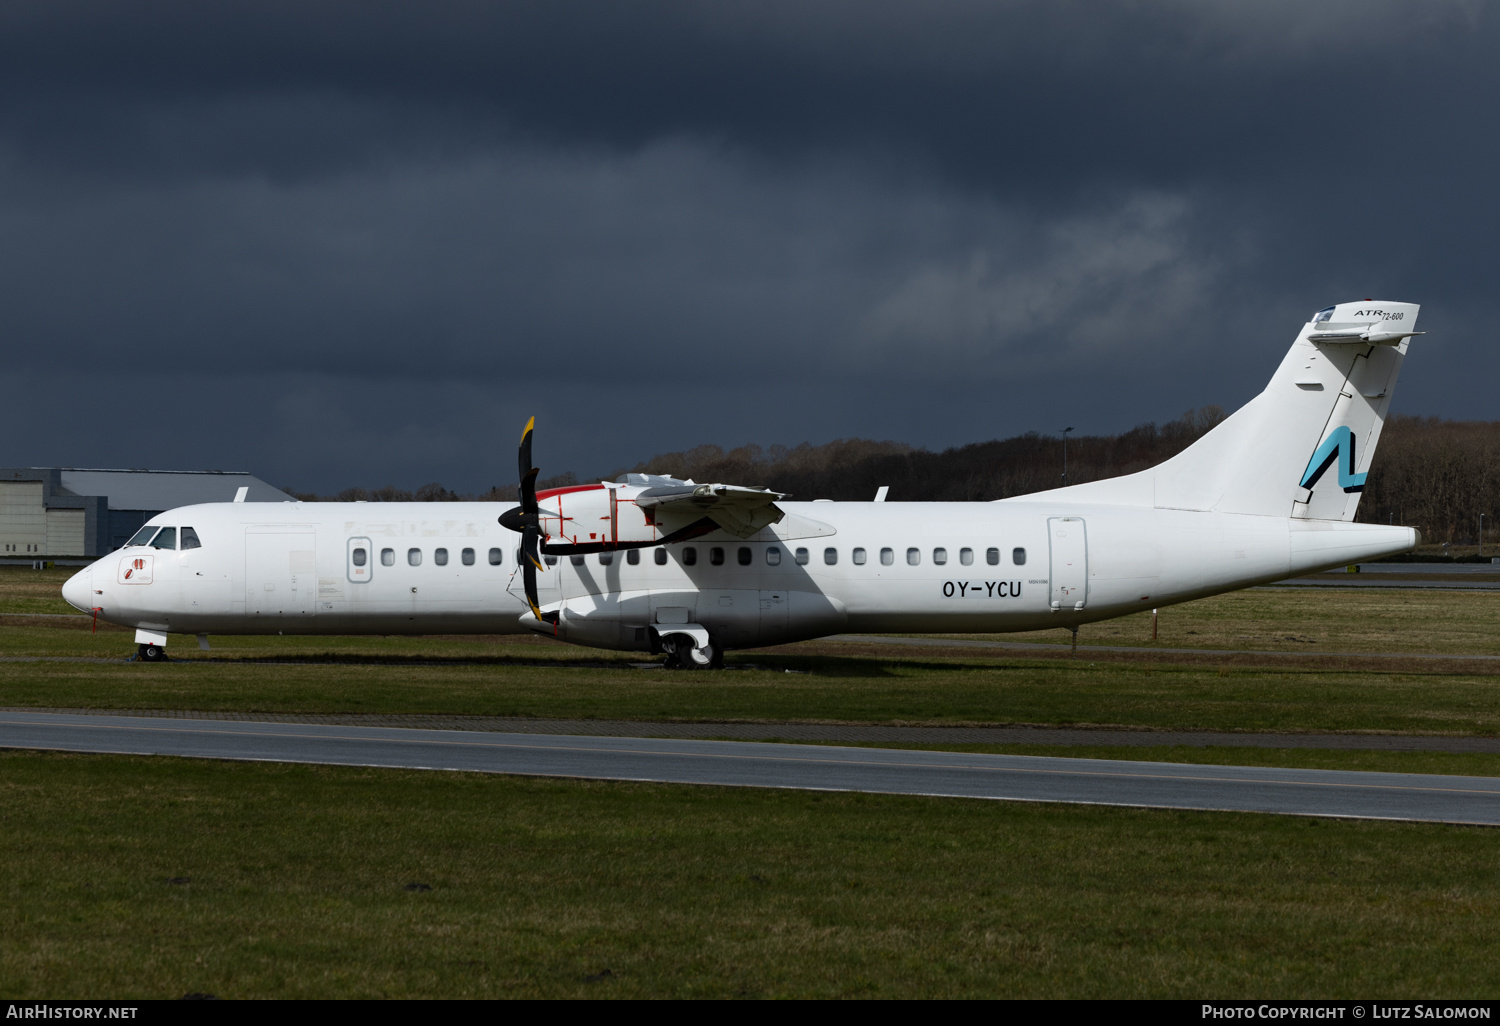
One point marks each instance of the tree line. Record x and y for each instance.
(1433, 474)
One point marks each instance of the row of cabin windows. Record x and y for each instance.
(166, 538)
(414, 557)
(744, 556)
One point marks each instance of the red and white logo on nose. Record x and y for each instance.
(136, 570)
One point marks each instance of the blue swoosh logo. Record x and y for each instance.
(1337, 447)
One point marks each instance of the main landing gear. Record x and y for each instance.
(148, 653)
(682, 654)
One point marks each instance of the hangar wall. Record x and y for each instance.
(68, 511)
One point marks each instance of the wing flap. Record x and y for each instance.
(737, 510)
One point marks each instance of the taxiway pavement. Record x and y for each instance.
(1405, 796)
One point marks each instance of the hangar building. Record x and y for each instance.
(68, 511)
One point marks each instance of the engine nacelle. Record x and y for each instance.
(647, 509)
(594, 518)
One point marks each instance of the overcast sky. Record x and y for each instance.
(360, 244)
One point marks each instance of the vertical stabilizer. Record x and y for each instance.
(1302, 448)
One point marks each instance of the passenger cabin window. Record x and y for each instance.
(360, 557)
(743, 555)
(549, 560)
(966, 557)
(773, 556)
(887, 557)
(1018, 557)
(468, 557)
(440, 557)
(992, 557)
(716, 556)
(414, 557)
(576, 560)
(141, 537)
(858, 555)
(633, 557)
(689, 556)
(387, 557)
(606, 558)
(830, 556)
(801, 557)
(166, 538)
(940, 556)
(496, 557)
(913, 557)
(661, 557)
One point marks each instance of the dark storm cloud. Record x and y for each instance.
(370, 239)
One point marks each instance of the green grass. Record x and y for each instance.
(1308, 620)
(959, 689)
(297, 877)
(535, 676)
(23, 590)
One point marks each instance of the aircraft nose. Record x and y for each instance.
(78, 591)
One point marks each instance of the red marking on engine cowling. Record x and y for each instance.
(564, 491)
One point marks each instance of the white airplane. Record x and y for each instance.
(656, 564)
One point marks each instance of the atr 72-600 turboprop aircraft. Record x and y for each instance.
(656, 564)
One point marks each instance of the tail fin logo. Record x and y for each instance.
(1338, 446)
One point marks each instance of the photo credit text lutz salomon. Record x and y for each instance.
(1345, 1010)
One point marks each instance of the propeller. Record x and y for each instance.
(526, 520)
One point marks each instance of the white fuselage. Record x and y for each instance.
(1017, 565)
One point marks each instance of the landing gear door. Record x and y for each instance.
(773, 615)
(1068, 543)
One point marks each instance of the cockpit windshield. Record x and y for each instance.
(166, 539)
(190, 539)
(143, 535)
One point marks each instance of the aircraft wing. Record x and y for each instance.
(738, 510)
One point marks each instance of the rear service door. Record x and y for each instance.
(1068, 542)
(281, 571)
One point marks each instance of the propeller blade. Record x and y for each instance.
(526, 518)
(528, 577)
(525, 456)
(528, 491)
(529, 553)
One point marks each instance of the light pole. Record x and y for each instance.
(1065, 454)
(1481, 534)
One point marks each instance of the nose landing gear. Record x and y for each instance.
(149, 653)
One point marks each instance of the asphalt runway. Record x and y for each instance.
(1402, 796)
(884, 733)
